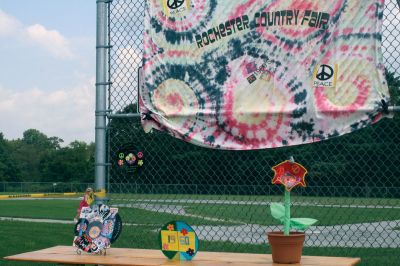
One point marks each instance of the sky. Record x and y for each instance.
(47, 66)
(47, 69)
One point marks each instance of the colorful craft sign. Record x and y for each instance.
(97, 228)
(178, 241)
(254, 74)
(290, 174)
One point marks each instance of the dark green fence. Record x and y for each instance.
(353, 181)
(42, 187)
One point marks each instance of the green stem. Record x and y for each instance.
(287, 213)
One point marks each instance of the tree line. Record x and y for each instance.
(39, 158)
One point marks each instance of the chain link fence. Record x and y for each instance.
(353, 181)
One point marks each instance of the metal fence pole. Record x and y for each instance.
(102, 83)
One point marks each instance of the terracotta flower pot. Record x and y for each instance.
(286, 249)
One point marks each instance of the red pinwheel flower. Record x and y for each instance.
(184, 231)
(290, 174)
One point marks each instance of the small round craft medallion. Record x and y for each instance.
(178, 241)
(94, 229)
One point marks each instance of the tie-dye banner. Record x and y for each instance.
(254, 74)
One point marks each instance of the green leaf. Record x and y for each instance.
(278, 211)
(301, 223)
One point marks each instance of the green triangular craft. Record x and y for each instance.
(278, 212)
(301, 223)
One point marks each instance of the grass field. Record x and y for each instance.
(325, 212)
(20, 237)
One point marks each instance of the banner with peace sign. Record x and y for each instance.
(255, 74)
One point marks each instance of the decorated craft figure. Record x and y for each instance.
(289, 174)
(97, 228)
(87, 200)
(287, 246)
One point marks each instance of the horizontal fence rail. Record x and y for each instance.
(42, 187)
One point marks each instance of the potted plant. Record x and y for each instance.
(287, 246)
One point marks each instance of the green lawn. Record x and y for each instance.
(227, 214)
(295, 198)
(20, 237)
(59, 209)
(44, 209)
(325, 215)
(328, 211)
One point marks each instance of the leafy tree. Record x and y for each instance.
(28, 152)
(39, 140)
(55, 142)
(8, 169)
(71, 163)
(37, 157)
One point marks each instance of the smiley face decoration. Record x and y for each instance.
(290, 174)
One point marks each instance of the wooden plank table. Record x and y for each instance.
(149, 257)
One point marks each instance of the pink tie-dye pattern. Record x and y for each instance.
(332, 114)
(328, 109)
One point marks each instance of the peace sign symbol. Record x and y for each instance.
(325, 72)
(174, 4)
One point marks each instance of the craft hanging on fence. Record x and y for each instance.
(130, 158)
(262, 74)
(178, 241)
(97, 228)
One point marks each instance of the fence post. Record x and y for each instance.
(102, 83)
